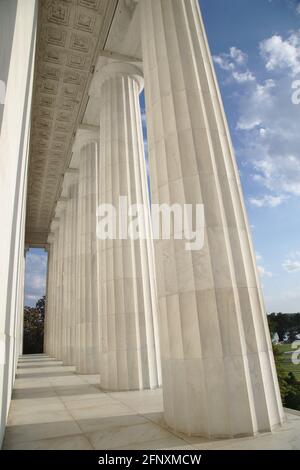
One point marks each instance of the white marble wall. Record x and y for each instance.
(219, 377)
(15, 132)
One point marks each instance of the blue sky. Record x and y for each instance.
(256, 49)
(35, 275)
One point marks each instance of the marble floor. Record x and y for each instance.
(54, 408)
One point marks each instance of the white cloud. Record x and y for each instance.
(38, 281)
(36, 261)
(268, 121)
(237, 55)
(263, 272)
(269, 134)
(282, 53)
(261, 269)
(267, 201)
(279, 174)
(235, 62)
(31, 297)
(229, 61)
(292, 263)
(260, 98)
(223, 62)
(242, 77)
(298, 9)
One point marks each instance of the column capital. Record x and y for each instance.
(50, 238)
(112, 70)
(85, 134)
(131, 4)
(70, 177)
(54, 225)
(60, 206)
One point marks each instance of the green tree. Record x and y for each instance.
(33, 339)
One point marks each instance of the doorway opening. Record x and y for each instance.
(34, 300)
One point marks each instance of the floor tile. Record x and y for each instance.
(54, 408)
(32, 432)
(126, 435)
(76, 442)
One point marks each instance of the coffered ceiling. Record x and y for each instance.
(70, 35)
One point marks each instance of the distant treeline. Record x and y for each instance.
(285, 325)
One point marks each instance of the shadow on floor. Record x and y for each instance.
(60, 409)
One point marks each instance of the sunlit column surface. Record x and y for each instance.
(219, 377)
(129, 356)
(85, 158)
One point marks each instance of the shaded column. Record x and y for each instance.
(129, 356)
(219, 377)
(60, 214)
(85, 157)
(73, 264)
(48, 321)
(70, 191)
(53, 300)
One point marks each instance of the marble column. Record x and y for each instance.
(219, 377)
(129, 358)
(53, 291)
(73, 264)
(85, 158)
(70, 191)
(60, 213)
(65, 282)
(48, 321)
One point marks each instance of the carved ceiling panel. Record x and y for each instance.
(69, 35)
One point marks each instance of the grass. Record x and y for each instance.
(285, 360)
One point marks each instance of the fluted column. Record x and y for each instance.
(129, 356)
(73, 265)
(219, 377)
(54, 291)
(70, 191)
(60, 213)
(86, 149)
(65, 292)
(48, 321)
